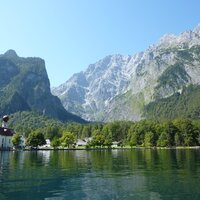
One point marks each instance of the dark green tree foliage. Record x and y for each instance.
(98, 140)
(189, 133)
(150, 139)
(166, 133)
(35, 139)
(116, 131)
(25, 122)
(178, 139)
(86, 131)
(133, 135)
(184, 105)
(138, 130)
(74, 128)
(16, 140)
(107, 143)
(170, 131)
(68, 139)
(55, 142)
(163, 140)
(52, 131)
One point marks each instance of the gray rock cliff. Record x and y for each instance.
(118, 87)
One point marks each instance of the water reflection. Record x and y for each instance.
(106, 174)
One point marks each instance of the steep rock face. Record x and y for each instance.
(24, 85)
(119, 87)
(88, 93)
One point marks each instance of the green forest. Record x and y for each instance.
(180, 105)
(144, 133)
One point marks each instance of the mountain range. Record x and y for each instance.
(160, 82)
(24, 86)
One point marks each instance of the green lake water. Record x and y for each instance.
(106, 174)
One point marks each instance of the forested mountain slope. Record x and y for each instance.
(24, 86)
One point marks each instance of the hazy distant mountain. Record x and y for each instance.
(122, 87)
(24, 85)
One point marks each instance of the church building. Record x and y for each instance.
(6, 135)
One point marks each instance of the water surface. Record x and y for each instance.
(117, 174)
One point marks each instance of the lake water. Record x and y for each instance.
(107, 174)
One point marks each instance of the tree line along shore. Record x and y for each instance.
(145, 133)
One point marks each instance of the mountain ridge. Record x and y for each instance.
(118, 87)
(25, 86)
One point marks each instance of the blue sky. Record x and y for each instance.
(71, 34)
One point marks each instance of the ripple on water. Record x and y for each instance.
(100, 175)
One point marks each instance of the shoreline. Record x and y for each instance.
(114, 148)
(101, 149)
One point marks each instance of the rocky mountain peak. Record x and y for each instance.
(118, 87)
(24, 86)
(186, 38)
(197, 29)
(10, 54)
(167, 38)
